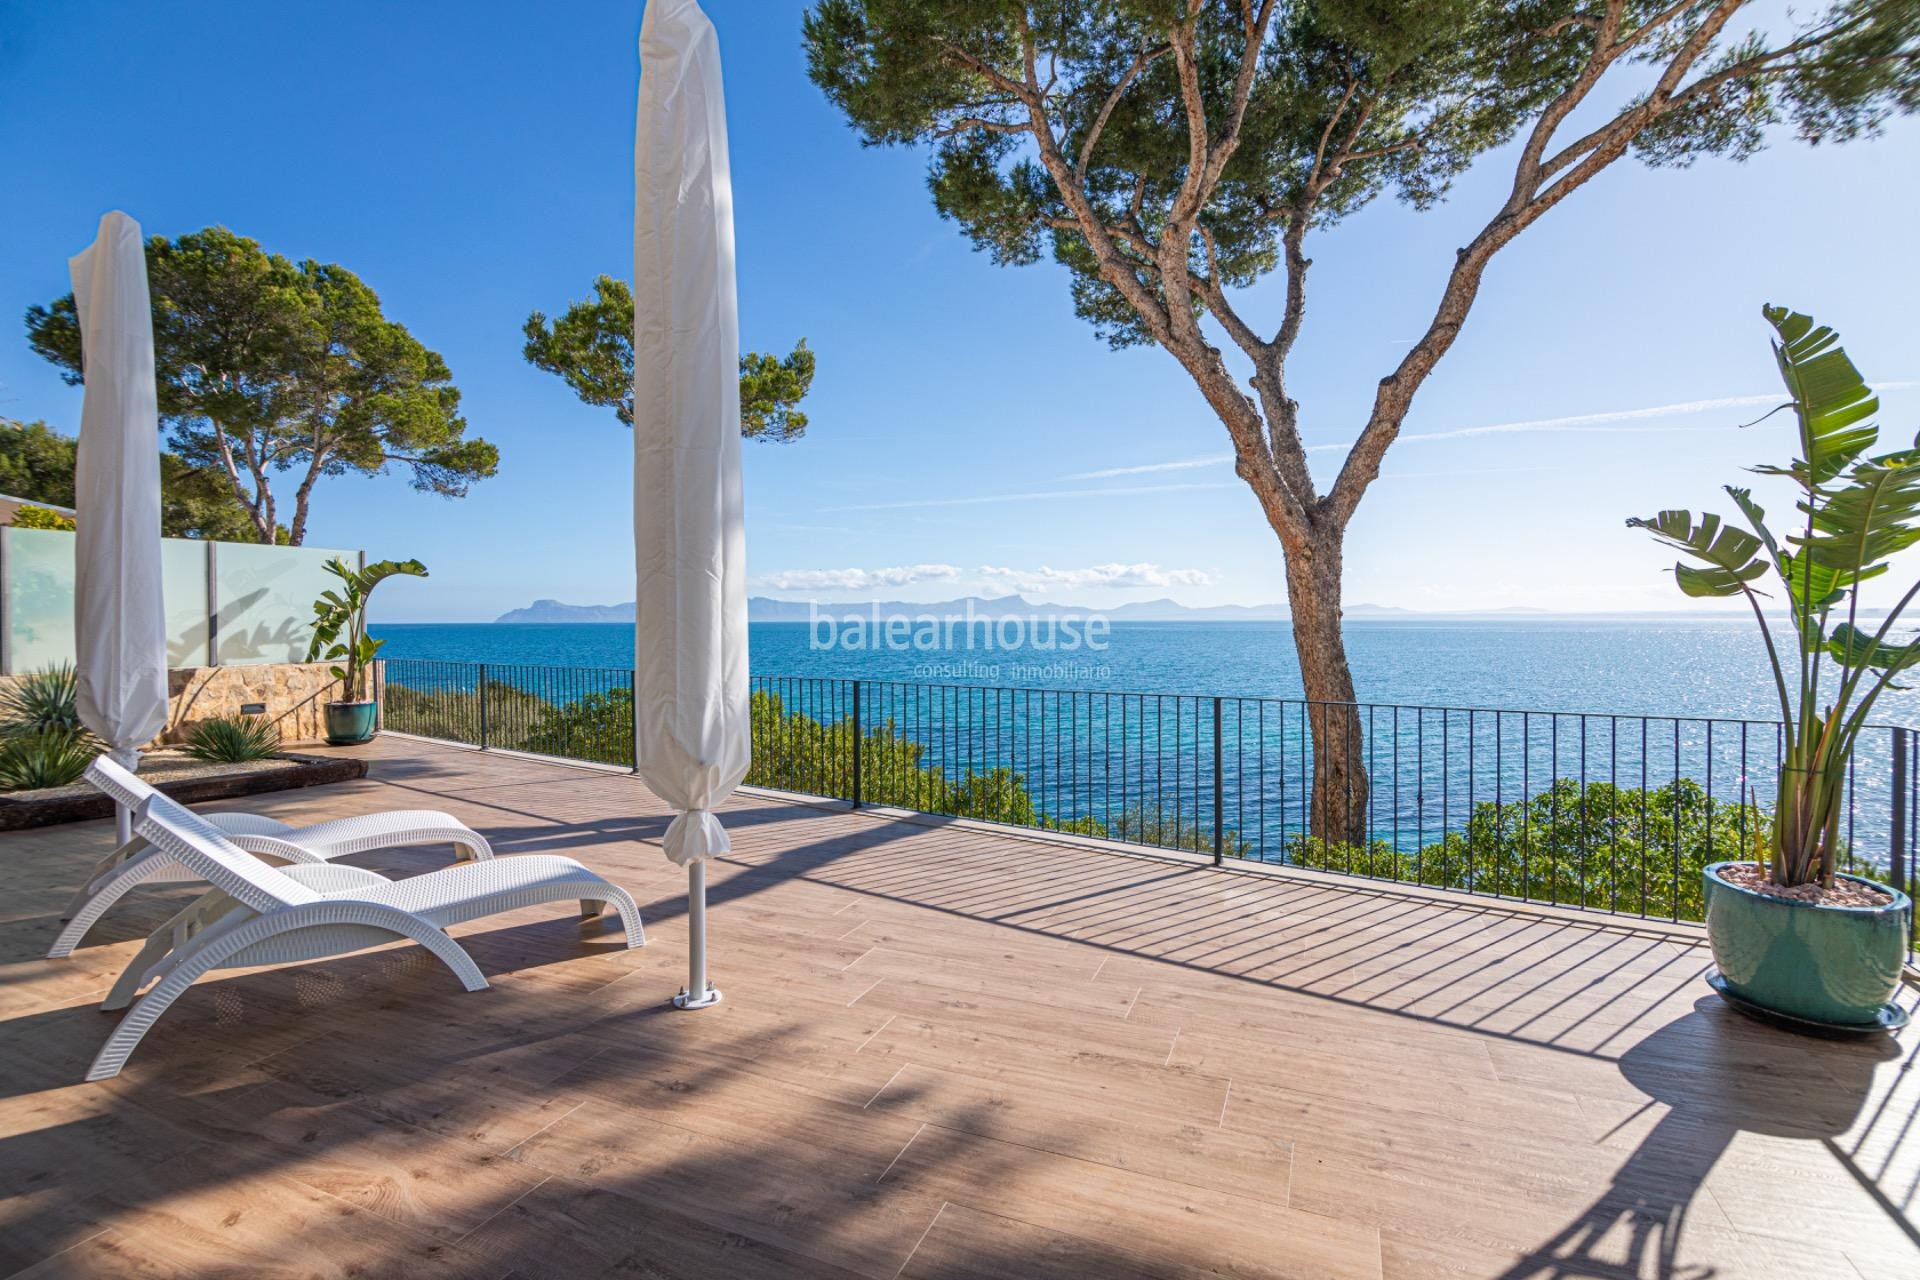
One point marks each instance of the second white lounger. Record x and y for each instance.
(137, 862)
(260, 914)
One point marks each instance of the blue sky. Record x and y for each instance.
(472, 162)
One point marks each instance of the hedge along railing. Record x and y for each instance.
(578, 713)
(1600, 811)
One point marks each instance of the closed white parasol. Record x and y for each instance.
(691, 728)
(119, 621)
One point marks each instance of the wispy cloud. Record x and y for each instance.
(1592, 421)
(1046, 578)
(1182, 464)
(1045, 495)
(1617, 420)
(1038, 581)
(1610, 422)
(856, 579)
(1466, 471)
(1607, 421)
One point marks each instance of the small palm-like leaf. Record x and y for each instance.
(1858, 648)
(1730, 554)
(1756, 516)
(1877, 513)
(1860, 511)
(336, 614)
(1831, 399)
(1813, 589)
(380, 570)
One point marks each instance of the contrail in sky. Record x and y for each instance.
(1044, 495)
(1576, 423)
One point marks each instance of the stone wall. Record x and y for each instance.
(294, 693)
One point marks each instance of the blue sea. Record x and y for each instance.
(1085, 730)
(1629, 666)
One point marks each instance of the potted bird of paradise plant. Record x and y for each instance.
(1793, 936)
(340, 635)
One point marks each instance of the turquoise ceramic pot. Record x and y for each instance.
(1833, 965)
(349, 722)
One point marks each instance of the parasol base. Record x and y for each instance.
(687, 1000)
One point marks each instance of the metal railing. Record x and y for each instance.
(579, 713)
(1592, 810)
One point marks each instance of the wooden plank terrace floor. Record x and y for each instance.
(943, 1052)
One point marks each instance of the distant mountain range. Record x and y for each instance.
(767, 609)
(554, 611)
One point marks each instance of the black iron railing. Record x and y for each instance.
(1599, 811)
(578, 713)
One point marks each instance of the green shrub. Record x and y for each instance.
(40, 702)
(232, 739)
(53, 758)
(1138, 824)
(793, 751)
(1606, 847)
(30, 517)
(454, 714)
(796, 752)
(595, 726)
(1602, 847)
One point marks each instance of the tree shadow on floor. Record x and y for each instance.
(1336, 943)
(674, 1153)
(1702, 1074)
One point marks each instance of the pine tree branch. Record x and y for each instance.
(1525, 205)
(1326, 134)
(1254, 32)
(1019, 91)
(1107, 108)
(1114, 268)
(1527, 169)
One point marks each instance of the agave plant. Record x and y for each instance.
(51, 758)
(1857, 510)
(45, 701)
(340, 621)
(232, 739)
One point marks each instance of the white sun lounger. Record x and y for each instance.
(138, 862)
(260, 914)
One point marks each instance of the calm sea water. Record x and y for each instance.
(1688, 668)
(1099, 753)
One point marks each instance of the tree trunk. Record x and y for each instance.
(302, 498)
(297, 534)
(1337, 806)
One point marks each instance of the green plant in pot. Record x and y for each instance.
(340, 636)
(1793, 936)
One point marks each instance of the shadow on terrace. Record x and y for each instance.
(944, 1052)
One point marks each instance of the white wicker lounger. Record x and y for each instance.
(259, 914)
(137, 862)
